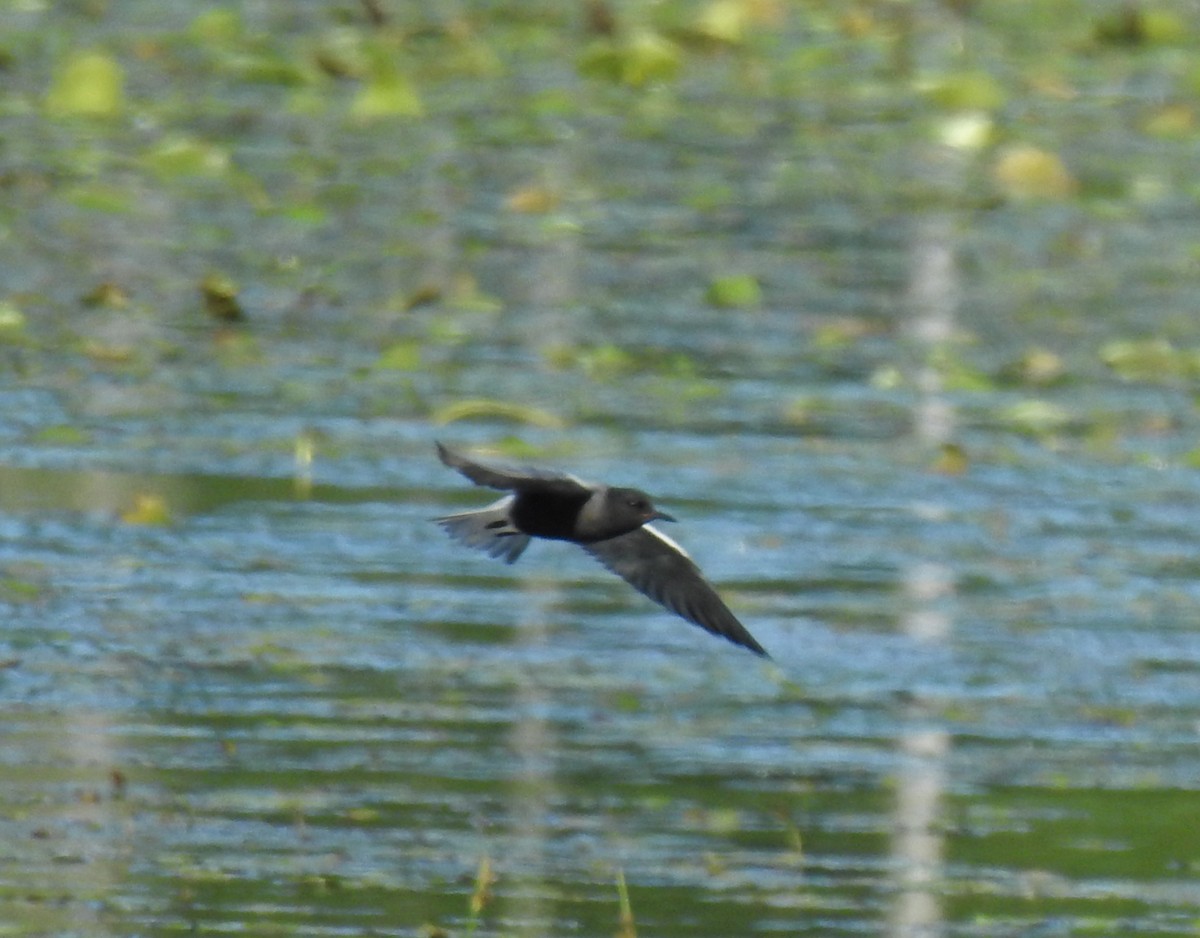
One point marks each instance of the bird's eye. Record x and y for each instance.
(637, 504)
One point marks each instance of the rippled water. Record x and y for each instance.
(317, 714)
(297, 707)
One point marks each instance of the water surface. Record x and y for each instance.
(296, 707)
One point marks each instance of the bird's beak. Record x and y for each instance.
(660, 516)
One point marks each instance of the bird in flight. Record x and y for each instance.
(610, 523)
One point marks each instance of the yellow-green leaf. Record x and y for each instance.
(404, 355)
(88, 84)
(148, 510)
(478, 408)
(737, 290)
(966, 91)
(1027, 173)
(184, 156)
(387, 93)
(641, 59)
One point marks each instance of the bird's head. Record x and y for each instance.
(636, 505)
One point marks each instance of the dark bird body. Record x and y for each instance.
(547, 514)
(610, 523)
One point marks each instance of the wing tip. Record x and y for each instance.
(734, 632)
(753, 645)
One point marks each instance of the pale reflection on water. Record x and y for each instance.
(929, 583)
(533, 788)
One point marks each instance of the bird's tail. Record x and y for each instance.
(489, 529)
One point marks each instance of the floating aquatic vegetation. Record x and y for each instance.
(88, 84)
(388, 91)
(148, 509)
(641, 58)
(1027, 173)
(734, 291)
(480, 408)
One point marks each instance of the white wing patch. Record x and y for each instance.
(666, 540)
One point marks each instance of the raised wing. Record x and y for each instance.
(510, 478)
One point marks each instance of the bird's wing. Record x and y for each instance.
(659, 568)
(505, 477)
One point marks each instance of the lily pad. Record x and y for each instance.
(1027, 173)
(89, 84)
(388, 92)
(1153, 360)
(736, 290)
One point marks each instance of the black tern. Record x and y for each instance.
(610, 523)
